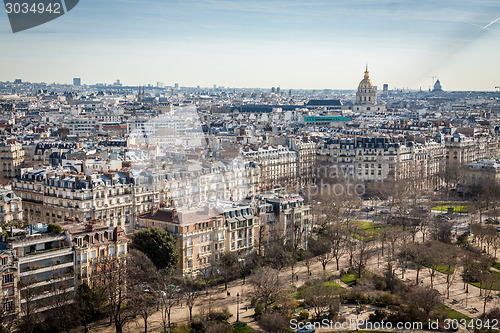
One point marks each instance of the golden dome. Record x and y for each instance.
(366, 83)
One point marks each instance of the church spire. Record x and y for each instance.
(367, 75)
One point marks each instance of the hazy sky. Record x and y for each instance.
(293, 44)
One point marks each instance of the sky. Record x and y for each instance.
(295, 44)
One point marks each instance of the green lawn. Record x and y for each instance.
(496, 285)
(299, 294)
(496, 265)
(366, 231)
(452, 314)
(444, 269)
(349, 279)
(240, 327)
(456, 208)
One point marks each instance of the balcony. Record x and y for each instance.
(45, 254)
(49, 294)
(46, 269)
(60, 278)
(36, 239)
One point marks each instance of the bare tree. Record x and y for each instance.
(308, 261)
(142, 281)
(450, 260)
(113, 278)
(321, 296)
(322, 250)
(30, 318)
(267, 286)
(168, 294)
(228, 266)
(363, 253)
(488, 281)
(191, 292)
(273, 322)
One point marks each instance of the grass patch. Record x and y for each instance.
(300, 293)
(365, 231)
(444, 269)
(332, 284)
(349, 279)
(456, 208)
(496, 265)
(496, 285)
(453, 314)
(240, 327)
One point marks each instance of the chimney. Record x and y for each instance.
(154, 210)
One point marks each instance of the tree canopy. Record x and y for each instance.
(158, 245)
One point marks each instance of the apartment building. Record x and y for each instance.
(61, 195)
(481, 172)
(203, 181)
(12, 157)
(277, 164)
(307, 157)
(83, 127)
(201, 235)
(11, 206)
(204, 234)
(382, 158)
(42, 264)
(462, 149)
(293, 219)
(95, 246)
(9, 282)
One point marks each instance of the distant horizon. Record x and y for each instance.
(259, 43)
(284, 90)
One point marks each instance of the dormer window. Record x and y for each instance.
(79, 241)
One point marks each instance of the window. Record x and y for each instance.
(8, 306)
(8, 278)
(189, 252)
(122, 249)
(84, 257)
(93, 254)
(5, 260)
(111, 250)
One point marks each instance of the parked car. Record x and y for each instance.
(498, 229)
(384, 211)
(307, 329)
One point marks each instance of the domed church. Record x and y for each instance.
(366, 97)
(367, 92)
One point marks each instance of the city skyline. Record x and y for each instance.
(318, 45)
